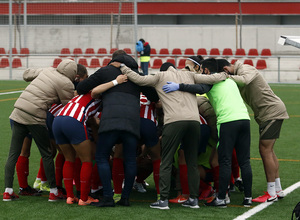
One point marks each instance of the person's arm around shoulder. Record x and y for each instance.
(191, 88)
(210, 79)
(149, 80)
(96, 92)
(241, 74)
(31, 74)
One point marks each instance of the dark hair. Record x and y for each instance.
(197, 60)
(165, 66)
(117, 53)
(211, 64)
(142, 40)
(221, 64)
(81, 70)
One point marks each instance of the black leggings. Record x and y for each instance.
(234, 134)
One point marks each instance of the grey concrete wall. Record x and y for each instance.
(50, 39)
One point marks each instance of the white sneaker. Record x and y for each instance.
(280, 194)
(227, 199)
(139, 187)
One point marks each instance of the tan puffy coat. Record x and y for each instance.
(48, 86)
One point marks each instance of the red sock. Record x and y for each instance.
(22, 169)
(156, 166)
(68, 173)
(85, 180)
(203, 186)
(184, 179)
(41, 173)
(59, 164)
(77, 167)
(216, 177)
(118, 174)
(95, 179)
(235, 165)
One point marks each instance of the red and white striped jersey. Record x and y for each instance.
(147, 108)
(202, 120)
(55, 109)
(81, 107)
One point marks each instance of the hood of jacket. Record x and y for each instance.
(68, 68)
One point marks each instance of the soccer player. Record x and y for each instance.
(269, 113)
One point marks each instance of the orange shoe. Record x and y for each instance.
(71, 200)
(179, 199)
(88, 201)
(266, 198)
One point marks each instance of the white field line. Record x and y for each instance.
(6, 93)
(262, 206)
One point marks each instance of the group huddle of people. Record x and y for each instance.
(121, 125)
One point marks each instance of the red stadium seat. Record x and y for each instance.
(153, 51)
(56, 61)
(266, 52)
(253, 52)
(4, 63)
(171, 60)
(240, 52)
(77, 52)
(128, 51)
(24, 52)
(157, 63)
(14, 51)
(65, 52)
(177, 52)
(95, 63)
(2, 51)
(214, 51)
(201, 51)
(189, 51)
(89, 52)
(227, 52)
(181, 64)
(105, 62)
(112, 50)
(101, 52)
(83, 61)
(164, 51)
(261, 64)
(16, 63)
(233, 61)
(249, 62)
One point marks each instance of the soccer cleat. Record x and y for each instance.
(123, 202)
(9, 197)
(265, 198)
(45, 187)
(105, 202)
(28, 191)
(217, 203)
(71, 200)
(139, 187)
(179, 199)
(247, 202)
(88, 201)
(117, 197)
(37, 184)
(160, 204)
(206, 194)
(191, 203)
(280, 194)
(239, 184)
(54, 198)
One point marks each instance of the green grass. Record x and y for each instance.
(287, 149)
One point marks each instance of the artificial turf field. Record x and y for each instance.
(287, 149)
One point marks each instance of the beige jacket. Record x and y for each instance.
(257, 93)
(178, 105)
(48, 86)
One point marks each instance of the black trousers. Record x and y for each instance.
(234, 134)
